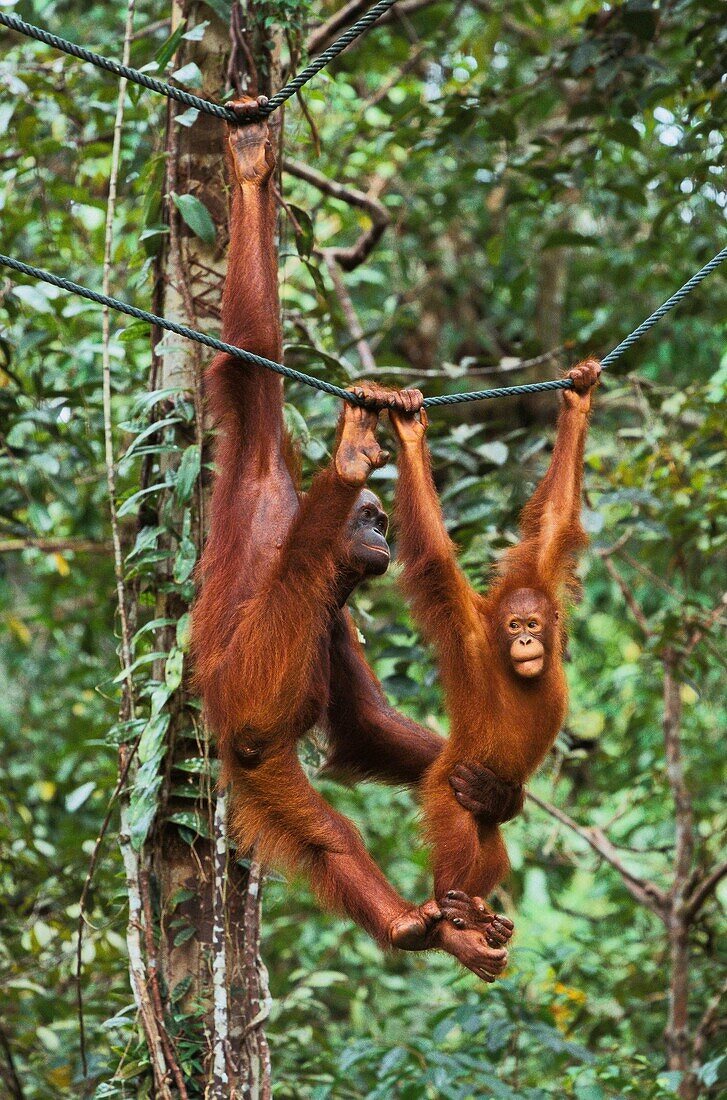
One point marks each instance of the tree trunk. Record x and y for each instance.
(201, 905)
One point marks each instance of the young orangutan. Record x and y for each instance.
(500, 655)
(275, 650)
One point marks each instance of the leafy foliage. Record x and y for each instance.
(552, 172)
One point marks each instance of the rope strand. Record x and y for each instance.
(180, 330)
(217, 110)
(337, 391)
(358, 28)
(111, 66)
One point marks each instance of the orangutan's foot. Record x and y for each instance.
(358, 452)
(412, 931)
(469, 946)
(468, 913)
(250, 145)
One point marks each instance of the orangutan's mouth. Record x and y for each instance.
(532, 666)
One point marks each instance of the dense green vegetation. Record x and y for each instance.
(552, 172)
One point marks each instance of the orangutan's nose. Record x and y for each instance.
(525, 641)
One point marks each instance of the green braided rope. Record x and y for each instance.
(204, 105)
(180, 330)
(616, 353)
(327, 56)
(337, 391)
(117, 69)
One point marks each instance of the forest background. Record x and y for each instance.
(521, 184)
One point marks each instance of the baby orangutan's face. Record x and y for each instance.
(527, 631)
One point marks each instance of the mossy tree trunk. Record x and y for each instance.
(205, 979)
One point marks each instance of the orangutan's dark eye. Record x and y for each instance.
(514, 624)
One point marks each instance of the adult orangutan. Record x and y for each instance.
(500, 655)
(275, 650)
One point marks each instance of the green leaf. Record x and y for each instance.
(151, 742)
(187, 474)
(188, 117)
(318, 363)
(190, 75)
(164, 55)
(173, 669)
(196, 215)
(184, 935)
(142, 810)
(180, 895)
(191, 820)
(568, 238)
(221, 8)
(623, 132)
(303, 229)
(129, 506)
(76, 798)
(295, 424)
(196, 33)
(495, 452)
(184, 626)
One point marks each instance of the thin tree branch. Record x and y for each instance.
(711, 1021)
(327, 32)
(219, 1087)
(137, 969)
(518, 30)
(671, 727)
(256, 975)
(151, 28)
(126, 658)
(643, 890)
(347, 258)
(707, 625)
(57, 546)
(10, 1074)
(179, 267)
(365, 354)
(703, 889)
(170, 1053)
(631, 602)
(676, 1033)
(521, 364)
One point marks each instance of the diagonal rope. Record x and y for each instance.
(337, 391)
(180, 330)
(111, 66)
(217, 110)
(354, 31)
(607, 361)
(664, 308)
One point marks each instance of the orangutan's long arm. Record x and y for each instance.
(551, 519)
(442, 598)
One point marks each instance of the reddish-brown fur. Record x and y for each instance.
(497, 717)
(275, 650)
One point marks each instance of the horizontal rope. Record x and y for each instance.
(337, 391)
(217, 110)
